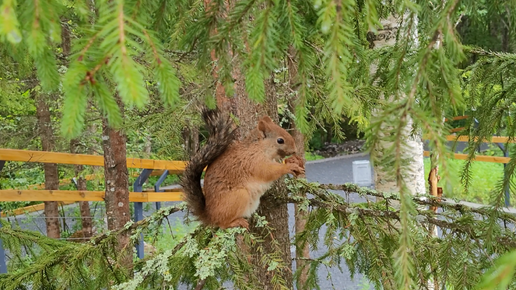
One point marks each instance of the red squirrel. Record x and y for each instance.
(239, 172)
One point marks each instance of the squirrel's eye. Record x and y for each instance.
(280, 141)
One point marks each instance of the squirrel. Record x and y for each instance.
(239, 172)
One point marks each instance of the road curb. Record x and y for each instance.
(338, 158)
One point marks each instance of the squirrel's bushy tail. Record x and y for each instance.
(221, 134)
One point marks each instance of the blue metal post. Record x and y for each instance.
(138, 207)
(158, 184)
(3, 264)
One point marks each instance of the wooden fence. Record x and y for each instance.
(173, 167)
(482, 158)
(148, 166)
(499, 140)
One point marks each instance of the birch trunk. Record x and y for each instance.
(414, 175)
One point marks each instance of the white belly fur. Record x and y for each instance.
(256, 190)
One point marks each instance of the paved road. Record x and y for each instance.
(337, 170)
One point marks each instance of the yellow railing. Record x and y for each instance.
(483, 158)
(66, 196)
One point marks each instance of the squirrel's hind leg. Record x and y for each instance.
(227, 209)
(239, 222)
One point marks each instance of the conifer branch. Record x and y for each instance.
(9, 25)
(367, 223)
(90, 75)
(425, 200)
(237, 14)
(154, 50)
(121, 24)
(87, 47)
(426, 215)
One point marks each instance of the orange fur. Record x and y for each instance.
(236, 180)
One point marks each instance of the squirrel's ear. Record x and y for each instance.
(266, 119)
(263, 125)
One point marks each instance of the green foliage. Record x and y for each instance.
(490, 88)
(127, 55)
(9, 27)
(501, 274)
(373, 231)
(483, 180)
(112, 52)
(309, 156)
(77, 103)
(486, 24)
(334, 20)
(355, 234)
(202, 255)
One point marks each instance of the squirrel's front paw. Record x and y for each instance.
(295, 169)
(297, 165)
(296, 159)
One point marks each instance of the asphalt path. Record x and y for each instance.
(336, 170)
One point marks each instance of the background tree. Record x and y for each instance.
(129, 52)
(51, 176)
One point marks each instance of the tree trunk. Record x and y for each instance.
(414, 176)
(190, 139)
(84, 206)
(301, 216)
(46, 134)
(117, 186)
(148, 146)
(224, 103)
(275, 211)
(248, 112)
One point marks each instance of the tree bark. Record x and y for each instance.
(414, 173)
(117, 186)
(224, 103)
(190, 139)
(248, 112)
(414, 176)
(84, 206)
(46, 134)
(275, 211)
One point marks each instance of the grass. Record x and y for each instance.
(309, 156)
(173, 234)
(484, 179)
